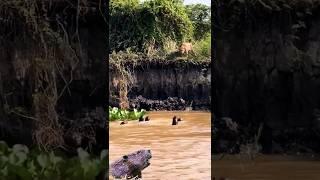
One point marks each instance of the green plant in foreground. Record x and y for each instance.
(20, 163)
(122, 114)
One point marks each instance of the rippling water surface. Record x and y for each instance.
(181, 152)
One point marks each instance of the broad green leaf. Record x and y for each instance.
(82, 154)
(3, 147)
(43, 160)
(20, 148)
(54, 159)
(21, 157)
(103, 154)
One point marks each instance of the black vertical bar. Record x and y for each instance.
(106, 15)
(213, 79)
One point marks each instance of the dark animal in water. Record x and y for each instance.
(174, 120)
(147, 118)
(124, 122)
(179, 119)
(140, 119)
(131, 165)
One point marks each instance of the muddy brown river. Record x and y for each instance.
(181, 152)
(267, 167)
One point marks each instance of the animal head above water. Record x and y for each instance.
(131, 164)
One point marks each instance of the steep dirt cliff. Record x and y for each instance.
(267, 71)
(170, 85)
(53, 74)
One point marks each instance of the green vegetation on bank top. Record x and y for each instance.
(19, 162)
(125, 58)
(200, 16)
(158, 27)
(123, 114)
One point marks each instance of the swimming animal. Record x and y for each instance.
(124, 122)
(174, 120)
(131, 165)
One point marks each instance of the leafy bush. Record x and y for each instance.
(200, 15)
(146, 26)
(20, 163)
(169, 46)
(202, 48)
(122, 114)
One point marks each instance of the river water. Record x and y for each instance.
(266, 167)
(181, 152)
